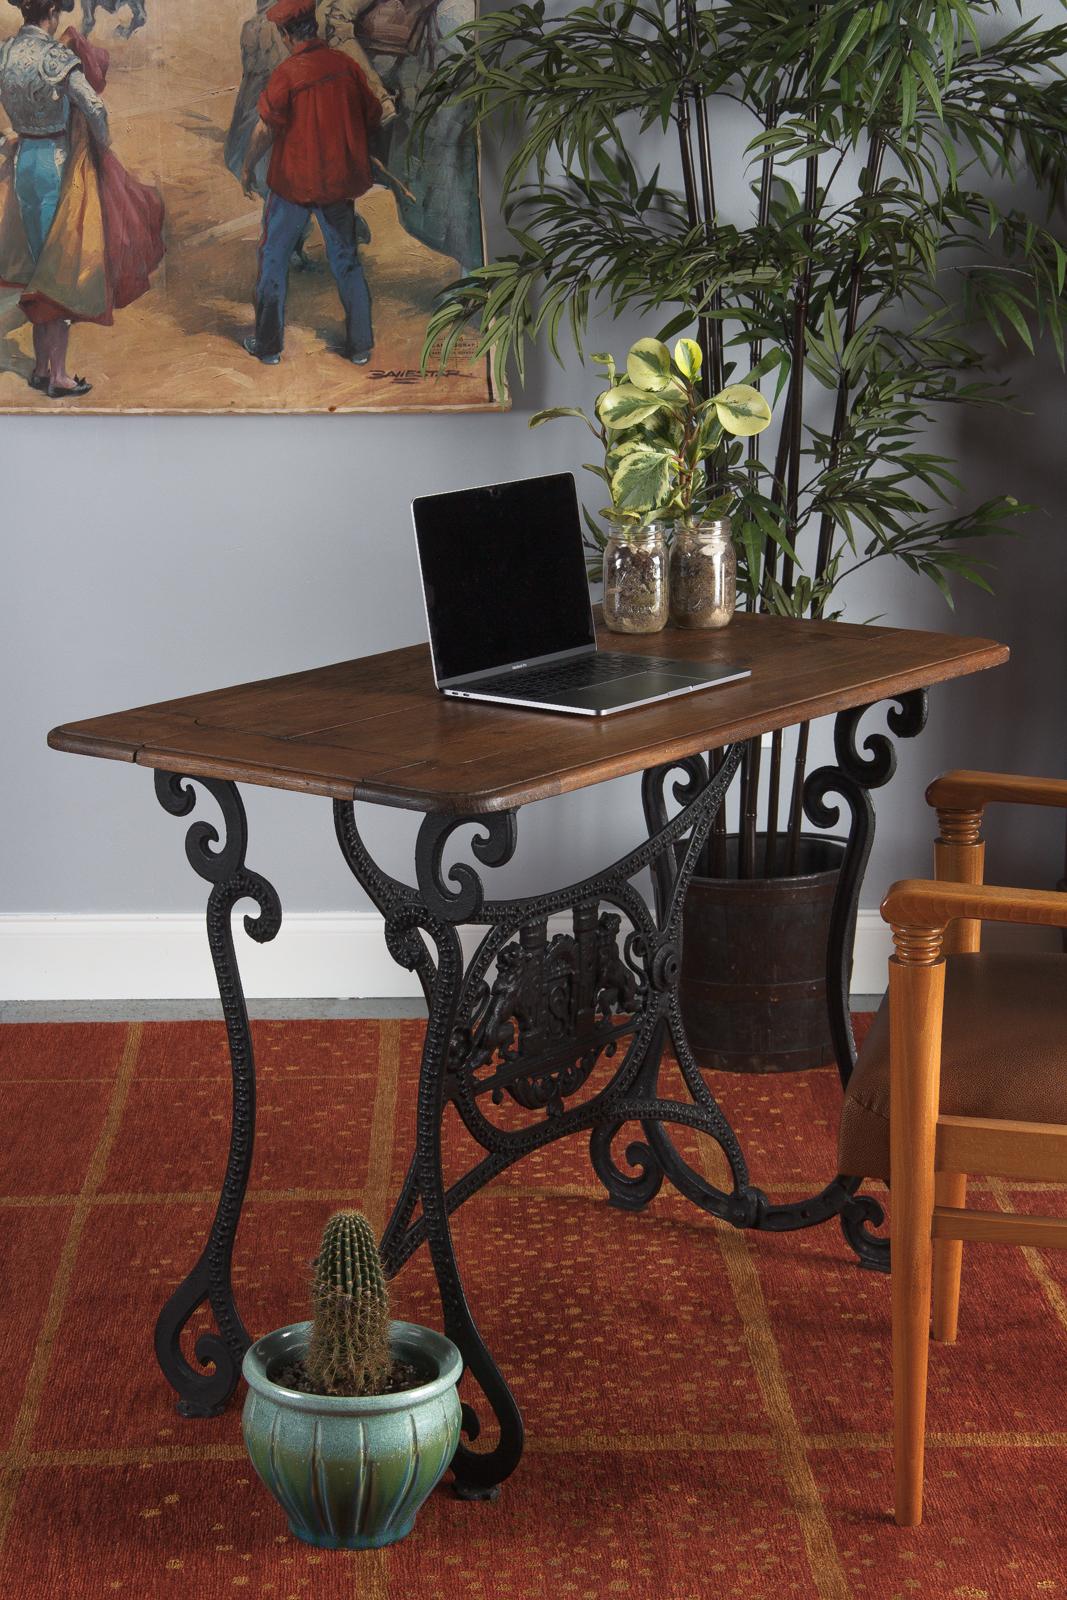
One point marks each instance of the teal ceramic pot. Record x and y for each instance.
(351, 1472)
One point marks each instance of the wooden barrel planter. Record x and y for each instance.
(753, 983)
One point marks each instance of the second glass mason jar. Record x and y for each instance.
(703, 574)
(636, 580)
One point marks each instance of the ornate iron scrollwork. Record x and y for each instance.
(493, 848)
(557, 1003)
(853, 778)
(205, 1393)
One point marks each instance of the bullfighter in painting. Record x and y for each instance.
(78, 236)
(316, 116)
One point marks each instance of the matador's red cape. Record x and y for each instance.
(107, 235)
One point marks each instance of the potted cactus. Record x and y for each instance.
(351, 1419)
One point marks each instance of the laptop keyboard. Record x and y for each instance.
(584, 673)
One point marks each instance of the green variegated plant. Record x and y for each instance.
(659, 435)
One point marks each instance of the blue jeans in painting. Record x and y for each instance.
(39, 167)
(284, 224)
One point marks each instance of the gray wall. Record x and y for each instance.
(149, 557)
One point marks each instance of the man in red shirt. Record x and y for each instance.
(316, 116)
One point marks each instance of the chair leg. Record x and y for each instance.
(950, 1189)
(916, 996)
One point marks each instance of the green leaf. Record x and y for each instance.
(552, 412)
(832, 327)
(859, 25)
(625, 405)
(688, 358)
(742, 410)
(643, 480)
(767, 363)
(648, 365)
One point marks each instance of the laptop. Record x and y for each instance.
(508, 608)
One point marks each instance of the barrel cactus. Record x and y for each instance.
(348, 1353)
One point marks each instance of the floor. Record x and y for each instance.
(708, 1414)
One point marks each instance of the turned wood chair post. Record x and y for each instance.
(959, 857)
(916, 1003)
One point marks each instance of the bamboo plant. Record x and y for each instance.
(861, 281)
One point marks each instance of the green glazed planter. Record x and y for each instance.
(350, 1473)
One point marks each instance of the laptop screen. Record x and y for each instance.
(503, 572)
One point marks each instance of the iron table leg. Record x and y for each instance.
(852, 778)
(556, 1010)
(205, 1393)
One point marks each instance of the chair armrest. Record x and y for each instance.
(927, 905)
(971, 791)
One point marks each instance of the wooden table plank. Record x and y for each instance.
(377, 729)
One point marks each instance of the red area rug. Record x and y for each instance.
(707, 1412)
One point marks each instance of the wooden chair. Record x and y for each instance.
(966, 1063)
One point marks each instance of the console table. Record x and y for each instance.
(525, 1016)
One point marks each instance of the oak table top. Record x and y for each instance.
(376, 728)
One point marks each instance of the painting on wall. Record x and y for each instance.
(218, 206)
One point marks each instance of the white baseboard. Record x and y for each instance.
(316, 955)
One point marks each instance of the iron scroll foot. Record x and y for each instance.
(206, 1392)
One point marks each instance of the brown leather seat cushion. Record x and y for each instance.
(1003, 1054)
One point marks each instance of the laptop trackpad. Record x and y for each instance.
(636, 687)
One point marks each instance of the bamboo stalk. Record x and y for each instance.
(692, 205)
(796, 424)
(716, 848)
(875, 156)
(770, 859)
(796, 800)
(755, 348)
(749, 807)
(781, 458)
(826, 524)
(792, 508)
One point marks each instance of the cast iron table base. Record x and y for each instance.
(555, 1009)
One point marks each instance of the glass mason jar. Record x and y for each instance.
(703, 574)
(635, 580)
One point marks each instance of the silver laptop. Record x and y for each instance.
(507, 603)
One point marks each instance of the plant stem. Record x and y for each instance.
(811, 202)
(796, 803)
(781, 457)
(855, 293)
(749, 801)
(755, 349)
(796, 423)
(708, 335)
(716, 850)
(701, 208)
(770, 859)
